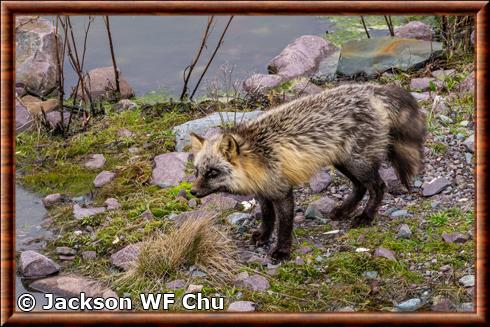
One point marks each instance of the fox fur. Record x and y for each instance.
(352, 127)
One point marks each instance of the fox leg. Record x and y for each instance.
(350, 204)
(376, 188)
(284, 209)
(263, 235)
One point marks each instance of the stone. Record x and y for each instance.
(264, 261)
(112, 204)
(299, 261)
(469, 143)
(393, 183)
(103, 178)
(101, 84)
(96, 161)
(64, 250)
(320, 181)
(454, 238)
(304, 87)
(441, 304)
(445, 268)
(169, 169)
(467, 281)
(404, 231)
(409, 305)
(385, 253)
(66, 257)
(238, 218)
(445, 119)
(370, 274)
(219, 202)
(52, 199)
(72, 285)
(79, 212)
(435, 186)
(241, 306)
(23, 118)
(320, 208)
(254, 283)
(147, 215)
(35, 54)
(299, 218)
(442, 74)
(467, 307)
(374, 56)
(33, 264)
(202, 125)
(124, 258)
(53, 118)
(304, 250)
(399, 213)
(193, 215)
(468, 84)
(192, 203)
(261, 83)
(124, 104)
(175, 284)
(424, 83)
(37, 106)
(89, 255)
(468, 158)
(124, 132)
(439, 105)
(194, 288)
(302, 57)
(414, 30)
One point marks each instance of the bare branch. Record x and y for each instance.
(116, 72)
(365, 28)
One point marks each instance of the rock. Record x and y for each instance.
(89, 255)
(71, 286)
(193, 215)
(409, 305)
(33, 264)
(468, 158)
(299, 218)
(327, 71)
(23, 118)
(192, 203)
(377, 55)
(103, 178)
(424, 96)
(424, 83)
(79, 212)
(393, 183)
(385, 253)
(124, 104)
(261, 83)
(302, 57)
(320, 208)
(241, 306)
(35, 54)
(304, 250)
(299, 261)
(445, 268)
(124, 132)
(414, 30)
(439, 105)
(66, 257)
(169, 169)
(112, 204)
(53, 118)
(404, 231)
(370, 274)
(435, 186)
(147, 215)
(445, 119)
(238, 218)
(96, 161)
(101, 84)
(442, 74)
(254, 283)
(467, 281)
(467, 307)
(219, 202)
(454, 238)
(194, 288)
(469, 143)
(441, 304)
(468, 84)
(125, 257)
(64, 250)
(320, 181)
(200, 126)
(175, 284)
(305, 87)
(52, 199)
(37, 106)
(264, 261)
(399, 213)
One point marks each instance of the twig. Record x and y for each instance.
(390, 26)
(365, 28)
(60, 62)
(212, 57)
(116, 73)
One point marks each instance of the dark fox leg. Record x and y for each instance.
(260, 237)
(284, 209)
(345, 209)
(376, 188)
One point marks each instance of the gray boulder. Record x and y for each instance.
(415, 30)
(112, 204)
(435, 186)
(238, 218)
(169, 169)
(33, 264)
(409, 305)
(101, 83)
(72, 286)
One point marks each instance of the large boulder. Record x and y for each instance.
(72, 286)
(101, 83)
(36, 105)
(33, 264)
(415, 30)
(260, 83)
(202, 125)
(35, 54)
(375, 56)
(169, 169)
(23, 118)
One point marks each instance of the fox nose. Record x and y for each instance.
(193, 192)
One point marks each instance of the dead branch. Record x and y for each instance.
(365, 28)
(111, 45)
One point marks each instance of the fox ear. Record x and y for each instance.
(229, 147)
(196, 142)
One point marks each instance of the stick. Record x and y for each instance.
(116, 73)
(365, 28)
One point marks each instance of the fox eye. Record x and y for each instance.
(212, 173)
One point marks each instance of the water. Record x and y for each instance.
(153, 51)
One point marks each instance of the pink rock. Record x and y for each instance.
(242, 306)
(125, 257)
(33, 264)
(52, 199)
(414, 30)
(104, 178)
(383, 252)
(169, 169)
(96, 161)
(260, 83)
(320, 181)
(79, 212)
(454, 238)
(102, 85)
(219, 201)
(112, 204)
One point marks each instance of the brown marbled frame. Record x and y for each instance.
(12, 8)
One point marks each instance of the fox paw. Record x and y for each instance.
(361, 220)
(259, 238)
(338, 213)
(280, 255)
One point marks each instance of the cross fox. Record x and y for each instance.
(353, 128)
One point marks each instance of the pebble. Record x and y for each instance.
(175, 284)
(399, 213)
(241, 306)
(385, 253)
(238, 218)
(370, 274)
(454, 238)
(409, 305)
(194, 288)
(467, 281)
(404, 231)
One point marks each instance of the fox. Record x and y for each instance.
(353, 128)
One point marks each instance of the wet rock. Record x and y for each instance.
(124, 104)
(103, 178)
(219, 202)
(385, 253)
(101, 83)
(467, 281)
(393, 184)
(435, 186)
(23, 118)
(125, 257)
(238, 218)
(261, 83)
(194, 288)
(124, 132)
(320, 208)
(96, 161)
(35, 60)
(253, 283)
(454, 238)
(241, 306)
(377, 55)
(33, 264)
(64, 250)
(112, 204)
(169, 169)
(89, 255)
(72, 286)
(320, 181)
(469, 143)
(37, 106)
(409, 305)
(404, 231)
(468, 84)
(442, 74)
(52, 199)
(442, 304)
(414, 30)
(200, 126)
(79, 212)
(424, 83)
(175, 284)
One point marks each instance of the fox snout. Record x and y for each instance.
(199, 189)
